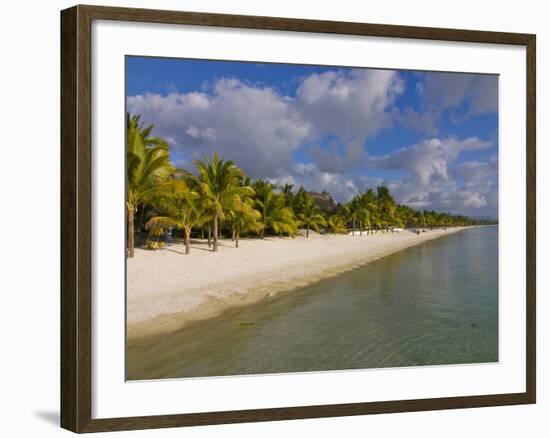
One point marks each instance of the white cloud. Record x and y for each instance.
(342, 187)
(261, 129)
(420, 121)
(256, 127)
(428, 161)
(436, 181)
(353, 105)
(475, 172)
(339, 158)
(206, 133)
(450, 91)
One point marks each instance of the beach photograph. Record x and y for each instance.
(285, 218)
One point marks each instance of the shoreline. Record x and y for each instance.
(167, 290)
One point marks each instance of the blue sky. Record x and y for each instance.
(431, 137)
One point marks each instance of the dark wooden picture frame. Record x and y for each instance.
(76, 218)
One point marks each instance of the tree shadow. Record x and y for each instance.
(196, 244)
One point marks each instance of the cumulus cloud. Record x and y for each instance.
(425, 122)
(472, 94)
(428, 161)
(341, 186)
(338, 158)
(436, 181)
(450, 90)
(353, 105)
(256, 127)
(475, 172)
(262, 130)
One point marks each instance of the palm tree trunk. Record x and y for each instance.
(187, 241)
(262, 233)
(307, 231)
(131, 232)
(360, 228)
(141, 219)
(353, 228)
(236, 240)
(209, 234)
(215, 246)
(233, 235)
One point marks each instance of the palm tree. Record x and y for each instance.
(244, 218)
(147, 166)
(368, 209)
(287, 194)
(191, 216)
(353, 211)
(336, 224)
(299, 200)
(386, 206)
(219, 184)
(363, 216)
(311, 216)
(273, 210)
(183, 210)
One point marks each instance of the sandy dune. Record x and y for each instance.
(167, 288)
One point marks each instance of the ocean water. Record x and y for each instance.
(432, 304)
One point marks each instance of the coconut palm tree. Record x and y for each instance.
(192, 215)
(188, 209)
(242, 219)
(311, 217)
(363, 216)
(147, 166)
(386, 206)
(219, 184)
(336, 224)
(184, 210)
(299, 200)
(287, 194)
(275, 215)
(353, 211)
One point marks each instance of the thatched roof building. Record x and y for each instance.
(323, 200)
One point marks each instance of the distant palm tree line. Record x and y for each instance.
(218, 197)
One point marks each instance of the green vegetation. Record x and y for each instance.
(275, 215)
(147, 169)
(216, 196)
(219, 185)
(310, 216)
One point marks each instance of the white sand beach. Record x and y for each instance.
(166, 289)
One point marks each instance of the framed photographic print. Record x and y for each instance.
(268, 218)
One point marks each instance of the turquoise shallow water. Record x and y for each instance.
(435, 303)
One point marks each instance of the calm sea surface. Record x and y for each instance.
(435, 303)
